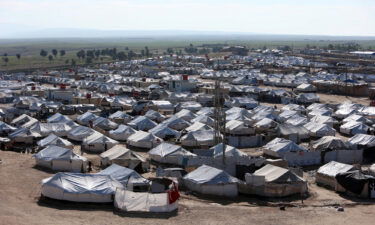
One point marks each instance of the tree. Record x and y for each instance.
(54, 52)
(50, 58)
(143, 53)
(147, 52)
(18, 55)
(170, 50)
(121, 55)
(67, 61)
(6, 60)
(88, 60)
(62, 52)
(73, 62)
(81, 54)
(43, 53)
(97, 53)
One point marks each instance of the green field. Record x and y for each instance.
(30, 48)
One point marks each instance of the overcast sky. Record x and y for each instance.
(319, 17)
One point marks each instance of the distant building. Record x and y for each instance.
(364, 54)
(236, 50)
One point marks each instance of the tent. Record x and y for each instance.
(23, 135)
(211, 181)
(98, 142)
(286, 114)
(155, 116)
(130, 179)
(162, 198)
(231, 152)
(164, 132)
(52, 139)
(85, 118)
(185, 114)
(356, 183)
(45, 129)
(198, 126)
(294, 107)
(353, 128)
(306, 88)
(123, 156)
(60, 159)
(6, 128)
(204, 119)
(297, 120)
(176, 123)
(235, 127)
(330, 143)
(319, 130)
(326, 174)
(293, 133)
(142, 123)
(198, 138)
(273, 181)
(120, 117)
(78, 187)
(79, 133)
(59, 118)
(22, 119)
(207, 111)
(278, 147)
(265, 124)
(121, 133)
(357, 118)
(142, 139)
(170, 153)
(104, 124)
(362, 141)
(306, 98)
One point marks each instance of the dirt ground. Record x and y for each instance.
(20, 204)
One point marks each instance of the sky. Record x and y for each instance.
(313, 17)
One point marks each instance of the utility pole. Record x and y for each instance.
(220, 117)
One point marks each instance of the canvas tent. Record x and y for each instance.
(142, 139)
(278, 147)
(211, 181)
(55, 140)
(85, 118)
(104, 124)
(198, 138)
(98, 142)
(78, 187)
(326, 174)
(142, 123)
(123, 156)
(121, 133)
(120, 117)
(6, 128)
(80, 133)
(23, 135)
(164, 132)
(60, 159)
(273, 181)
(353, 128)
(170, 153)
(176, 123)
(130, 179)
(319, 130)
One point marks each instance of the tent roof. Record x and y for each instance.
(210, 175)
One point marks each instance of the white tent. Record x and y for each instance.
(362, 140)
(155, 116)
(211, 181)
(121, 155)
(287, 114)
(185, 114)
(60, 159)
(120, 117)
(204, 119)
(85, 118)
(236, 127)
(306, 88)
(294, 107)
(22, 119)
(297, 120)
(104, 124)
(324, 120)
(55, 140)
(278, 147)
(330, 143)
(142, 123)
(98, 142)
(121, 133)
(23, 135)
(77, 187)
(198, 138)
(326, 174)
(198, 126)
(230, 152)
(353, 128)
(357, 118)
(45, 129)
(164, 132)
(143, 139)
(169, 153)
(79, 133)
(59, 118)
(265, 124)
(319, 130)
(176, 123)
(127, 177)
